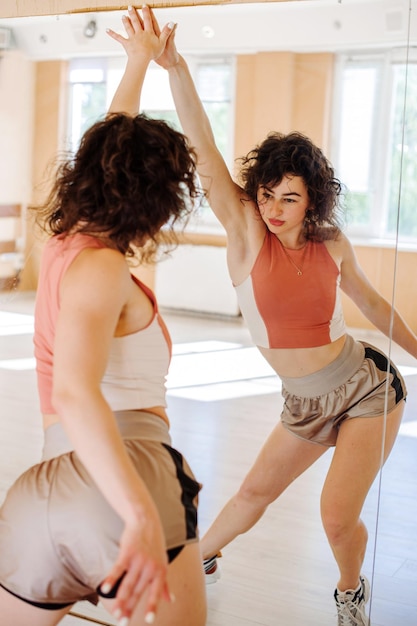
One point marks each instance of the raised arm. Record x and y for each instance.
(224, 195)
(142, 45)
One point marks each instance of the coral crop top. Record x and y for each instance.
(286, 310)
(138, 363)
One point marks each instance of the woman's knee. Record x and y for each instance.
(254, 495)
(335, 526)
(340, 526)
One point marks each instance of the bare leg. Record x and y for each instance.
(281, 460)
(19, 613)
(186, 583)
(355, 464)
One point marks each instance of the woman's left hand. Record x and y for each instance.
(141, 567)
(142, 36)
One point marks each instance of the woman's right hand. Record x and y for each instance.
(142, 44)
(142, 567)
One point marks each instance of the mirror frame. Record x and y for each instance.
(31, 8)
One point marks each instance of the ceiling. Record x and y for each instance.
(302, 25)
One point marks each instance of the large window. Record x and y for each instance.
(375, 147)
(93, 82)
(87, 96)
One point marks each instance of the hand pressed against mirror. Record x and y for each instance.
(315, 266)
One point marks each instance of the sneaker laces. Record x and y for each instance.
(351, 606)
(210, 565)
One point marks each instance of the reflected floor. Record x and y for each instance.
(223, 399)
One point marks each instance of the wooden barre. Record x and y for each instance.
(28, 8)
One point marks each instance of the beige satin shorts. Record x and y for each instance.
(58, 535)
(360, 382)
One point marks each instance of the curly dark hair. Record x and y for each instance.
(130, 176)
(295, 154)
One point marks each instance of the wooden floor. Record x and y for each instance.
(223, 401)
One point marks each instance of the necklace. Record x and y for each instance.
(298, 268)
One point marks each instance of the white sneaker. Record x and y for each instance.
(211, 570)
(351, 604)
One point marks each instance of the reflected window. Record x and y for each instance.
(87, 96)
(214, 85)
(403, 153)
(213, 81)
(375, 146)
(94, 81)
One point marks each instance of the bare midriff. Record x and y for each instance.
(297, 362)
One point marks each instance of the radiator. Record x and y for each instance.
(195, 278)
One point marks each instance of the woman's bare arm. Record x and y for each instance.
(94, 292)
(224, 195)
(375, 308)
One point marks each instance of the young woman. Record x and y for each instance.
(288, 259)
(110, 511)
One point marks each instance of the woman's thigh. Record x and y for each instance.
(282, 459)
(186, 583)
(362, 446)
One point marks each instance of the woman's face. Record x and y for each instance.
(283, 207)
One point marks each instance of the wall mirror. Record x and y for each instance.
(343, 71)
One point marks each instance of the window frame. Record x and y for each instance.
(374, 231)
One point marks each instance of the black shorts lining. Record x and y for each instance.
(49, 606)
(190, 489)
(56, 606)
(381, 362)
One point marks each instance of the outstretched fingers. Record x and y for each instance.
(143, 33)
(135, 18)
(132, 23)
(155, 24)
(151, 24)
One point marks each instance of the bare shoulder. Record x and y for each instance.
(92, 260)
(99, 271)
(336, 243)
